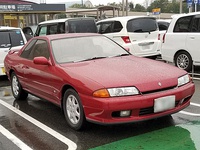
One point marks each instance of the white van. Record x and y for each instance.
(181, 41)
(11, 37)
(67, 25)
(139, 34)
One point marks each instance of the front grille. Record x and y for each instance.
(159, 90)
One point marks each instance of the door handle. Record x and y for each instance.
(192, 37)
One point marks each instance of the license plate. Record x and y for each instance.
(164, 103)
(146, 47)
(3, 70)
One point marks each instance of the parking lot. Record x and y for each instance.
(35, 123)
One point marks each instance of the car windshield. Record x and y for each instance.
(85, 48)
(142, 25)
(11, 38)
(82, 26)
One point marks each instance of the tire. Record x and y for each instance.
(17, 91)
(183, 60)
(73, 110)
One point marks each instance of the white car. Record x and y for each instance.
(139, 34)
(181, 41)
(11, 37)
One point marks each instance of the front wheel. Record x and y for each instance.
(17, 91)
(183, 61)
(73, 110)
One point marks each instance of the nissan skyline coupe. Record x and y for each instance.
(94, 79)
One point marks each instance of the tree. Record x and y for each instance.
(78, 6)
(131, 6)
(139, 8)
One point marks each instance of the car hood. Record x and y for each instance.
(143, 73)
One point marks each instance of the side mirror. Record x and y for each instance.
(41, 61)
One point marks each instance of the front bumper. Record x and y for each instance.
(100, 110)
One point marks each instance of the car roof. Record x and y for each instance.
(68, 35)
(65, 19)
(8, 28)
(186, 14)
(124, 18)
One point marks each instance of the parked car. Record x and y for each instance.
(93, 78)
(181, 41)
(67, 25)
(11, 37)
(139, 34)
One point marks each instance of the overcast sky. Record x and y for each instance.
(94, 2)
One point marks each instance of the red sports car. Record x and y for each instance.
(94, 79)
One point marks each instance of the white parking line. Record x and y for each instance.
(195, 104)
(191, 114)
(14, 139)
(71, 145)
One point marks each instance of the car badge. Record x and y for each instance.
(159, 84)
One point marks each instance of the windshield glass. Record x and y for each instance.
(82, 26)
(11, 38)
(142, 25)
(85, 48)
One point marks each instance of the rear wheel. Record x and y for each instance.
(73, 110)
(183, 60)
(17, 91)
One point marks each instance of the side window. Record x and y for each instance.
(163, 26)
(61, 28)
(117, 26)
(106, 27)
(43, 31)
(40, 48)
(27, 50)
(53, 29)
(196, 25)
(183, 24)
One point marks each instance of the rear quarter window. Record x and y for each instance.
(142, 25)
(183, 24)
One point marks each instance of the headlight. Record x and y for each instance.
(183, 80)
(124, 91)
(113, 92)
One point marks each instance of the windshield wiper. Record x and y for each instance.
(93, 58)
(122, 55)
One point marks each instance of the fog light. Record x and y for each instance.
(125, 113)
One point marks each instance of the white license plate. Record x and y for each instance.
(164, 103)
(146, 47)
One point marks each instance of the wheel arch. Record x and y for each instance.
(181, 50)
(65, 87)
(10, 72)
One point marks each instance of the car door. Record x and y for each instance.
(193, 38)
(38, 78)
